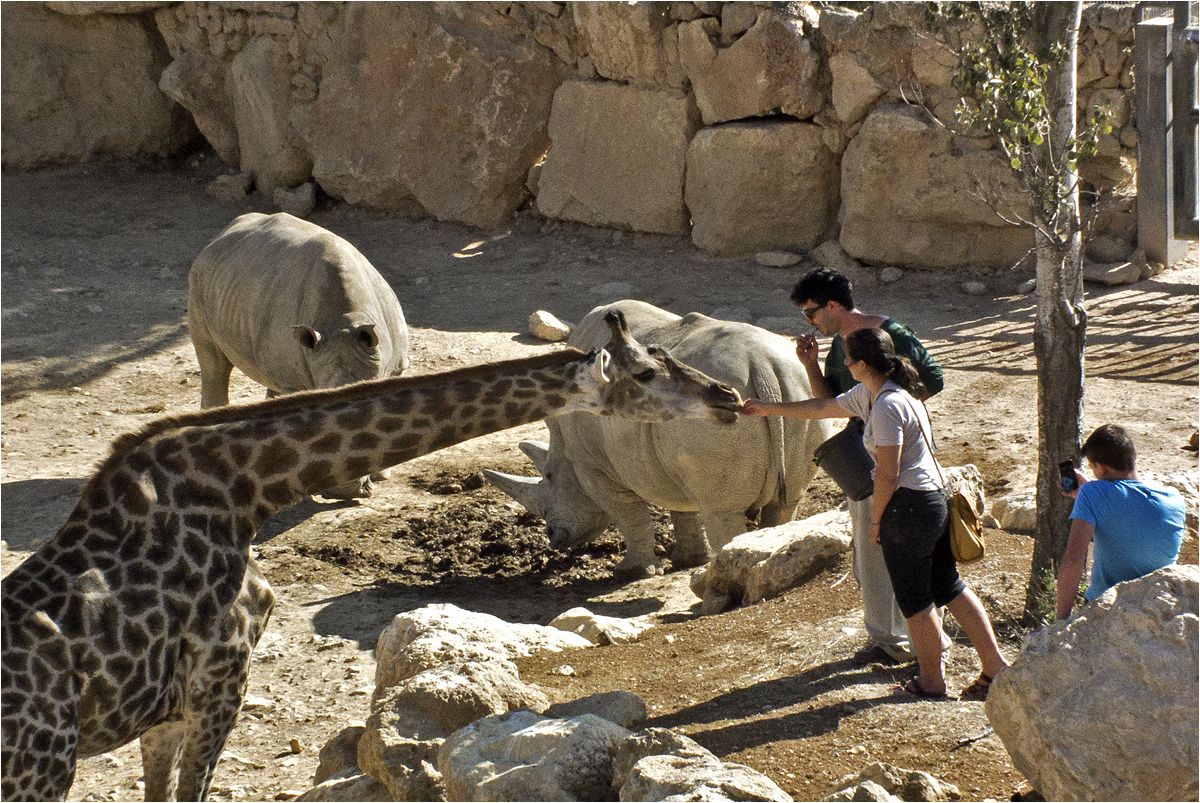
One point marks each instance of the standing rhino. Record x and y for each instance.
(597, 471)
(294, 307)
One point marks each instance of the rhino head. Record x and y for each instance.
(572, 517)
(347, 351)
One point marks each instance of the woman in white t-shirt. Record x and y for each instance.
(908, 516)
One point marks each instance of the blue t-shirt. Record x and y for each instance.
(1138, 529)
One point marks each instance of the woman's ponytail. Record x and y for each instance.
(875, 348)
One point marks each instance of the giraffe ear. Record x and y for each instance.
(307, 336)
(600, 366)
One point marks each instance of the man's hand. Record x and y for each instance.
(806, 350)
(753, 407)
(1079, 481)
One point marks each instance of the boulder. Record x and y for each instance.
(348, 787)
(895, 783)
(830, 254)
(772, 68)
(339, 754)
(262, 103)
(619, 707)
(634, 43)
(677, 778)
(231, 188)
(655, 742)
(853, 90)
(545, 326)
(766, 562)
(969, 480)
(599, 629)
(446, 106)
(1113, 273)
(760, 186)
(522, 756)
(909, 197)
(197, 83)
(1102, 706)
(441, 633)
(87, 7)
(778, 259)
(299, 201)
(617, 157)
(1016, 512)
(78, 88)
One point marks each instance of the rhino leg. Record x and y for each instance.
(691, 544)
(722, 526)
(637, 527)
(777, 512)
(215, 369)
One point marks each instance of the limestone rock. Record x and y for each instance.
(87, 7)
(908, 198)
(766, 562)
(974, 288)
(1117, 273)
(1109, 249)
(348, 787)
(617, 157)
(890, 275)
(854, 90)
(299, 201)
(628, 42)
(545, 326)
(676, 778)
(893, 783)
(339, 754)
(441, 633)
(777, 259)
(1016, 512)
(655, 742)
(969, 480)
(231, 188)
(521, 756)
(261, 91)
(864, 791)
(761, 186)
(77, 88)
(1086, 716)
(830, 254)
(772, 68)
(599, 629)
(619, 707)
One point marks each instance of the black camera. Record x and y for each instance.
(1066, 473)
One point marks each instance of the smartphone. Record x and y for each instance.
(1066, 473)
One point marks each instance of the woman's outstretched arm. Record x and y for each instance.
(809, 408)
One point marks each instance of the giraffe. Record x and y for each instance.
(138, 619)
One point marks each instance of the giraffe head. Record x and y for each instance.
(647, 384)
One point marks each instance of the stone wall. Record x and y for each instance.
(751, 126)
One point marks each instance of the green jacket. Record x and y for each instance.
(906, 344)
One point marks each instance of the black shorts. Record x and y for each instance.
(916, 549)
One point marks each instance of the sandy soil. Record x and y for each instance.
(95, 265)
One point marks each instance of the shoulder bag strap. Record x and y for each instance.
(937, 464)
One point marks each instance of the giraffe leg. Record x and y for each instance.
(691, 544)
(161, 749)
(211, 715)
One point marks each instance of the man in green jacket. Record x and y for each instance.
(826, 298)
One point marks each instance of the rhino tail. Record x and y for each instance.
(765, 385)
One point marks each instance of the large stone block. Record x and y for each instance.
(258, 82)
(772, 67)
(447, 105)
(761, 186)
(1102, 706)
(911, 197)
(617, 157)
(76, 88)
(631, 42)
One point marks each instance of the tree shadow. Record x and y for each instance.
(34, 510)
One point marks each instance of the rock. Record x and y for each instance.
(1118, 273)
(619, 707)
(544, 326)
(262, 102)
(655, 742)
(463, 92)
(760, 186)
(908, 197)
(339, 754)
(196, 81)
(772, 68)
(97, 7)
(974, 288)
(890, 275)
(299, 201)
(766, 562)
(863, 790)
(618, 157)
(853, 89)
(777, 259)
(1074, 709)
(78, 88)
(1016, 512)
(969, 480)
(441, 633)
(879, 781)
(599, 629)
(676, 778)
(830, 254)
(348, 787)
(1026, 287)
(1110, 249)
(628, 42)
(230, 189)
(521, 756)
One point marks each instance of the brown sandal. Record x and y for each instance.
(914, 687)
(979, 688)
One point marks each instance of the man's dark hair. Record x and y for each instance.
(1112, 446)
(822, 286)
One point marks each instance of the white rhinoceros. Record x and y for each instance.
(294, 307)
(597, 471)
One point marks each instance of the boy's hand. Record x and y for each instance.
(1079, 481)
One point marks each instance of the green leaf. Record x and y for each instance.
(1015, 163)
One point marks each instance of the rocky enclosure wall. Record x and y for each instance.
(752, 126)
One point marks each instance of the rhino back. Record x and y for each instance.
(267, 273)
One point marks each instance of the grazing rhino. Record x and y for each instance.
(294, 307)
(597, 471)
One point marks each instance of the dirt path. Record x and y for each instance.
(95, 267)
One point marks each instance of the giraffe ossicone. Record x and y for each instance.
(139, 617)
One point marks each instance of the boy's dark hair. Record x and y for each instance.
(1112, 446)
(822, 286)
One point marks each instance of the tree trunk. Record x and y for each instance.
(1058, 336)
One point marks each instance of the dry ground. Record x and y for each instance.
(94, 344)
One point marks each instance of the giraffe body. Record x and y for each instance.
(139, 617)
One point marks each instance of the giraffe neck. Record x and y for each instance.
(251, 461)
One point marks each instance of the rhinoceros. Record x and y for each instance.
(598, 471)
(294, 307)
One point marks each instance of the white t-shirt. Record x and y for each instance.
(896, 419)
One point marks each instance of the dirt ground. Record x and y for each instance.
(94, 344)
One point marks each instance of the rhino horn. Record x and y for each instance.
(528, 491)
(538, 452)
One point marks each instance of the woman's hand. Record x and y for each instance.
(806, 350)
(754, 407)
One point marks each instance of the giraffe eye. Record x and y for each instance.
(644, 376)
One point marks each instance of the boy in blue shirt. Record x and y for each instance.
(1135, 527)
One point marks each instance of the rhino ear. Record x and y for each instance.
(367, 335)
(307, 336)
(528, 491)
(538, 452)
